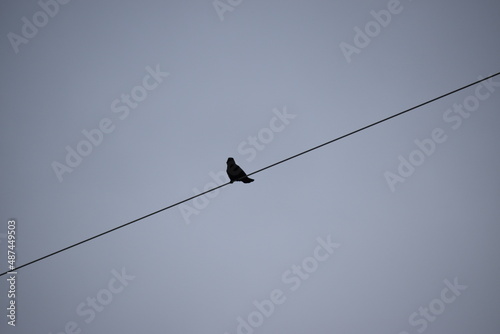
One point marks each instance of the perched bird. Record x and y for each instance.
(235, 173)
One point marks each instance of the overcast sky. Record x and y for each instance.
(111, 110)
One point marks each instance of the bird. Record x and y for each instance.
(235, 172)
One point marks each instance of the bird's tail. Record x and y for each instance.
(247, 180)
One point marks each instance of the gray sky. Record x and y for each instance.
(112, 110)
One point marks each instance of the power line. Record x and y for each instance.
(258, 171)
(378, 122)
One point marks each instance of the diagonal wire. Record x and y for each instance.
(375, 123)
(260, 170)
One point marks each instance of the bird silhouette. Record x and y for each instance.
(235, 172)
